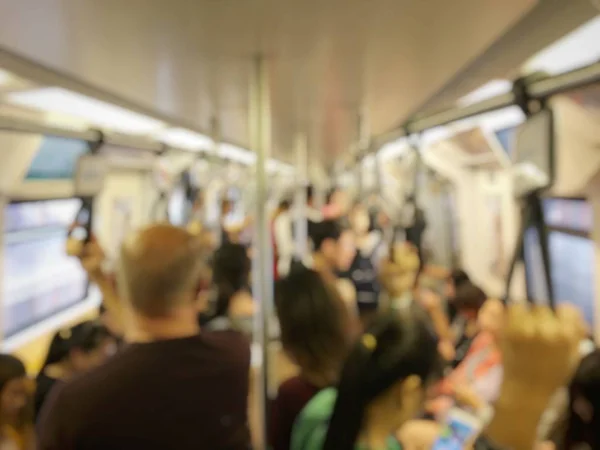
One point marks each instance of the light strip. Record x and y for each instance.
(182, 138)
(485, 92)
(577, 49)
(98, 113)
(277, 166)
(237, 154)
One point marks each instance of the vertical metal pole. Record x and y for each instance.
(301, 236)
(260, 134)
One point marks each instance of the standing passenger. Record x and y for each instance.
(315, 331)
(172, 386)
(283, 240)
(362, 271)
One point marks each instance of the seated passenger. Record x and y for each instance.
(468, 302)
(382, 386)
(16, 415)
(315, 332)
(72, 351)
(454, 281)
(477, 379)
(232, 307)
(171, 386)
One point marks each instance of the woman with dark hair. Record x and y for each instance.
(283, 239)
(231, 305)
(468, 301)
(16, 418)
(455, 280)
(382, 386)
(72, 351)
(315, 328)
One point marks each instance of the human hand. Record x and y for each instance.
(429, 300)
(465, 395)
(539, 349)
(446, 349)
(91, 256)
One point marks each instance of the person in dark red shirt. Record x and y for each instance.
(172, 386)
(315, 331)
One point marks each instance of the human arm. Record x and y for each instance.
(92, 258)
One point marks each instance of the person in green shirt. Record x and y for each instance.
(382, 386)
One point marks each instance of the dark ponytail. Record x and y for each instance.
(393, 348)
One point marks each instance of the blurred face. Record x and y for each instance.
(450, 290)
(14, 398)
(491, 316)
(346, 249)
(360, 220)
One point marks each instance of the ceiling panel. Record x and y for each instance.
(328, 60)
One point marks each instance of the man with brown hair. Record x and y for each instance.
(172, 386)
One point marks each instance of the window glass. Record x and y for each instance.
(572, 258)
(39, 279)
(56, 159)
(572, 264)
(568, 214)
(506, 137)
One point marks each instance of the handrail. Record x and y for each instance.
(538, 89)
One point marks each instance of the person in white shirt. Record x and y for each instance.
(283, 239)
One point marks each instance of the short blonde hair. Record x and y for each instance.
(160, 267)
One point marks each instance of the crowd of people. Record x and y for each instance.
(383, 345)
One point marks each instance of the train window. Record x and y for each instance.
(506, 137)
(569, 222)
(39, 279)
(56, 159)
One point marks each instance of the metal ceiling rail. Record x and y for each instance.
(536, 89)
(116, 140)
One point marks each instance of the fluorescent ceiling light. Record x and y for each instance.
(237, 154)
(182, 138)
(577, 49)
(277, 166)
(487, 91)
(96, 112)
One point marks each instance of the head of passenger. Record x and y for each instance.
(383, 382)
(15, 393)
(455, 280)
(491, 317)
(310, 195)
(282, 207)
(231, 277)
(80, 348)
(360, 221)
(334, 247)
(315, 325)
(469, 300)
(583, 421)
(160, 275)
(226, 207)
